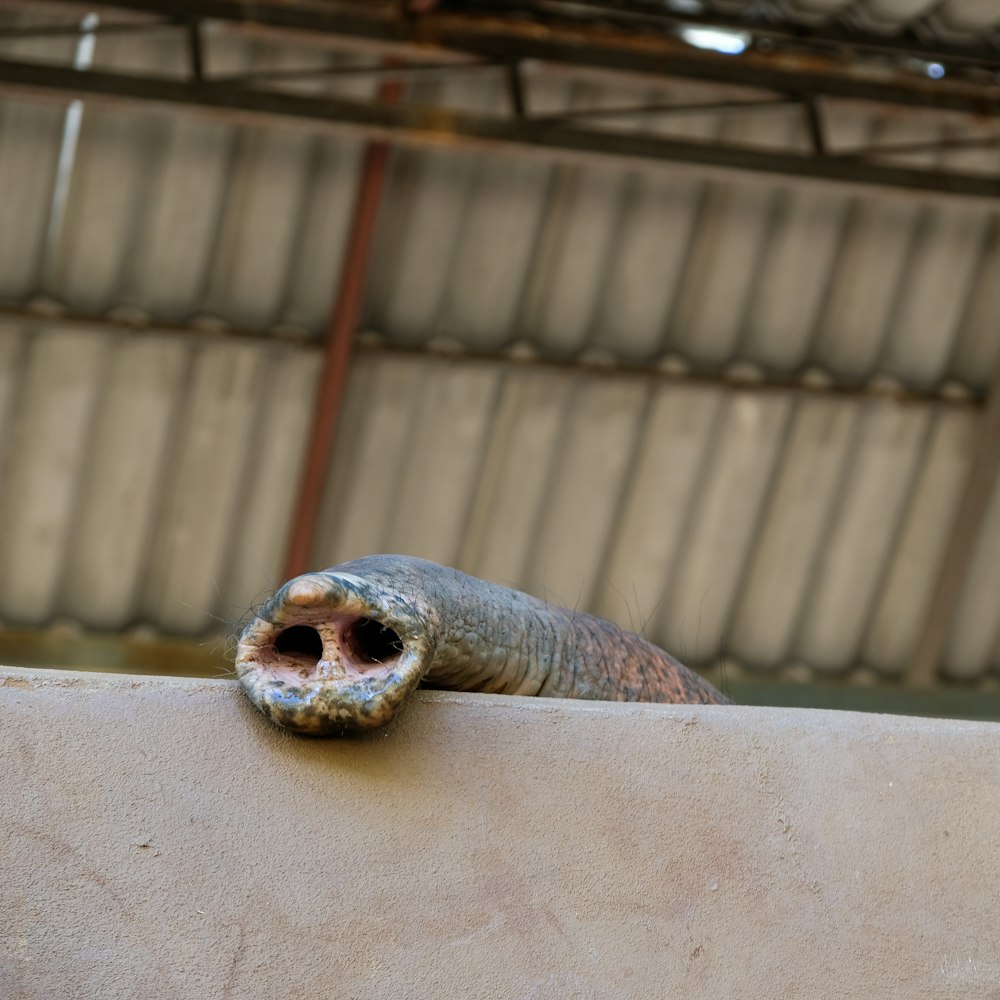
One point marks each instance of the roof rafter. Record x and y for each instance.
(418, 125)
(801, 63)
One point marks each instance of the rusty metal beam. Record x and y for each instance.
(432, 126)
(804, 63)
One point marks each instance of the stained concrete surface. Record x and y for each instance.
(160, 839)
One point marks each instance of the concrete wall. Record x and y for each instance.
(159, 839)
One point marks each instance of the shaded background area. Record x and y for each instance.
(705, 343)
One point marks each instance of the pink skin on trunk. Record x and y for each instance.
(341, 650)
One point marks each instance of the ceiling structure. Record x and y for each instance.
(703, 342)
(791, 64)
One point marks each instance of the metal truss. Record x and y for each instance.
(781, 65)
(795, 67)
(830, 62)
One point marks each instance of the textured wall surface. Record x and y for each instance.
(161, 839)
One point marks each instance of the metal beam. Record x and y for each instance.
(440, 127)
(826, 36)
(256, 77)
(653, 371)
(831, 67)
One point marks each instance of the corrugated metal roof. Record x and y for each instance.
(770, 528)
(181, 217)
(137, 470)
(150, 478)
(956, 20)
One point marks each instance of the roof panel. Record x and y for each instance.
(678, 437)
(586, 476)
(264, 504)
(969, 15)
(790, 537)
(724, 258)
(110, 188)
(933, 293)
(422, 221)
(863, 286)
(902, 605)
(123, 477)
(955, 20)
(258, 227)
(116, 163)
(415, 438)
(435, 482)
(641, 278)
(167, 270)
(977, 345)
(14, 346)
(712, 296)
(372, 449)
(418, 235)
(799, 253)
(971, 648)
(873, 501)
(204, 487)
(30, 137)
(62, 381)
(326, 209)
(519, 451)
(890, 13)
(574, 250)
(493, 250)
(706, 576)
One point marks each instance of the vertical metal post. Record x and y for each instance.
(515, 87)
(196, 50)
(339, 343)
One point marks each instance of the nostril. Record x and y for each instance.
(300, 640)
(372, 642)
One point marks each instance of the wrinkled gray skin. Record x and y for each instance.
(341, 650)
